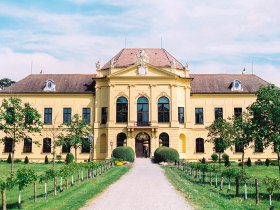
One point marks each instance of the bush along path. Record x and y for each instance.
(25, 177)
(224, 179)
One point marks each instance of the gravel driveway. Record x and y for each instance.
(143, 187)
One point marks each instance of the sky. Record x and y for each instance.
(70, 36)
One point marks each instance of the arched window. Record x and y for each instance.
(47, 145)
(121, 140)
(199, 145)
(164, 139)
(142, 110)
(182, 147)
(121, 109)
(163, 109)
(27, 145)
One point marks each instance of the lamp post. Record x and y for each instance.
(90, 139)
(111, 143)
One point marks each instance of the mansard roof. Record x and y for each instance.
(158, 57)
(64, 83)
(221, 83)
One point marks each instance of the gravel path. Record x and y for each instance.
(144, 187)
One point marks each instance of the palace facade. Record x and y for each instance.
(142, 98)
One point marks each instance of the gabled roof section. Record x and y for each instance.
(158, 57)
(65, 83)
(221, 83)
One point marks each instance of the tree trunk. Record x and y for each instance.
(228, 191)
(210, 178)
(278, 155)
(237, 186)
(45, 190)
(19, 199)
(216, 183)
(242, 160)
(66, 182)
(257, 191)
(53, 154)
(222, 181)
(61, 189)
(79, 177)
(72, 180)
(82, 175)
(54, 185)
(245, 190)
(35, 192)
(219, 160)
(4, 202)
(13, 153)
(270, 201)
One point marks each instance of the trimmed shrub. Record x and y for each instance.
(58, 157)
(26, 160)
(249, 162)
(259, 163)
(166, 154)
(17, 161)
(69, 158)
(215, 157)
(274, 162)
(203, 160)
(46, 160)
(124, 153)
(226, 159)
(9, 160)
(267, 162)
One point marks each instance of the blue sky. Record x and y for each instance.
(69, 36)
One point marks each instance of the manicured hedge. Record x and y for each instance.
(166, 154)
(124, 153)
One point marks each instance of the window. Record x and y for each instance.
(181, 114)
(236, 86)
(86, 115)
(48, 116)
(66, 147)
(67, 115)
(142, 110)
(27, 145)
(164, 139)
(8, 145)
(121, 139)
(121, 109)
(218, 113)
(198, 115)
(47, 145)
(237, 112)
(199, 145)
(104, 111)
(258, 145)
(239, 147)
(85, 146)
(163, 109)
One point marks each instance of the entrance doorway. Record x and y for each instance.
(142, 145)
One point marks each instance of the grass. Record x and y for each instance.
(204, 196)
(73, 198)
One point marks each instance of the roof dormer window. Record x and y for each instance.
(236, 86)
(49, 85)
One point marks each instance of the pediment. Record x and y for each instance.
(143, 71)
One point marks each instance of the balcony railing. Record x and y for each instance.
(142, 123)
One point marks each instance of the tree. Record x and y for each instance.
(18, 121)
(7, 184)
(220, 133)
(266, 117)
(76, 134)
(24, 177)
(244, 133)
(5, 82)
(272, 185)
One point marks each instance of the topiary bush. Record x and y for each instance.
(203, 160)
(267, 162)
(124, 153)
(249, 162)
(69, 158)
(46, 160)
(166, 154)
(215, 157)
(9, 160)
(26, 160)
(226, 159)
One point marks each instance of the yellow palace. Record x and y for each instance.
(142, 98)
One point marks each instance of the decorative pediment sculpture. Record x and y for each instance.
(112, 63)
(173, 64)
(97, 65)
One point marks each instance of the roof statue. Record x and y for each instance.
(187, 65)
(97, 65)
(113, 63)
(173, 64)
(142, 57)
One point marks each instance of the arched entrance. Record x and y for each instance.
(142, 145)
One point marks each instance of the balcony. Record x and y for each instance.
(142, 124)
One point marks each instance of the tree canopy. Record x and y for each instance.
(5, 82)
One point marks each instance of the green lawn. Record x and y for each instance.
(204, 196)
(73, 198)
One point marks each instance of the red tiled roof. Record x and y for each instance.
(65, 83)
(220, 83)
(158, 57)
